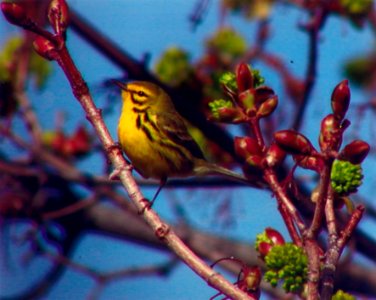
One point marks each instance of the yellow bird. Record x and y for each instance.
(155, 138)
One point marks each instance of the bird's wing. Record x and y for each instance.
(173, 127)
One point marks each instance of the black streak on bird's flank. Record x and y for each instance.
(138, 122)
(147, 132)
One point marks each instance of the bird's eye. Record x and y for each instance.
(141, 93)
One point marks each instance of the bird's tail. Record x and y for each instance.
(203, 168)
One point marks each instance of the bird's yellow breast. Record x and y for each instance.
(142, 145)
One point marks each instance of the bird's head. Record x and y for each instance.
(144, 93)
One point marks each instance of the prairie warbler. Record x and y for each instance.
(155, 138)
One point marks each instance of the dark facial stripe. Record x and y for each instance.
(135, 101)
(140, 110)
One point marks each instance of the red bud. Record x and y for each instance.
(267, 107)
(262, 94)
(246, 101)
(248, 149)
(330, 133)
(309, 162)
(274, 236)
(14, 13)
(293, 142)
(58, 15)
(340, 99)
(231, 115)
(69, 148)
(264, 248)
(255, 161)
(252, 278)
(45, 48)
(275, 155)
(244, 77)
(81, 141)
(58, 141)
(355, 152)
(246, 146)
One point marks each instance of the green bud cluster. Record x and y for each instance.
(345, 177)
(356, 7)
(228, 42)
(6, 56)
(218, 104)
(357, 70)
(38, 67)
(228, 79)
(173, 67)
(257, 78)
(341, 295)
(287, 263)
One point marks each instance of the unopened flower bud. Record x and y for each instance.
(293, 142)
(266, 240)
(330, 133)
(252, 278)
(229, 115)
(246, 101)
(355, 152)
(255, 161)
(267, 107)
(264, 248)
(58, 15)
(275, 236)
(81, 141)
(244, 77)
(13, 12)
(44, 48)
(262, 94)
(246, 146)
(56, 141)
(275, 155)
(224, 111)
(340, 99)
(314, 163)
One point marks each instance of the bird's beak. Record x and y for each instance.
(120, 84)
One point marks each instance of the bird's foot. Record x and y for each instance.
(147, 204)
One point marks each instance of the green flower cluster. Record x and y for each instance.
(228, 43)
(287, 263)
(38, 67)
(358, 70)
(357, 7)
(228, 79)
(259, 9)
(257, 78)
(218, 104)
(341, 295)
(173, 67)
(345, 177)
(6, 57)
